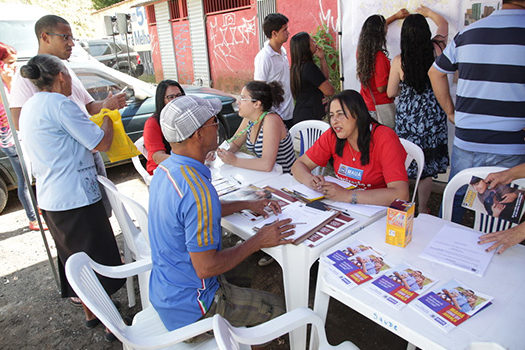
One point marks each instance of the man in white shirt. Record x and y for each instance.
(271, 63)
(55, 38)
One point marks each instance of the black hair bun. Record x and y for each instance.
(30, 71)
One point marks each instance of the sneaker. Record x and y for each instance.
(265, 260)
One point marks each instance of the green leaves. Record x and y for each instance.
(325, 41)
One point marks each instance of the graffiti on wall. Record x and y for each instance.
(326, 17)
(182, 42)
(226, 37)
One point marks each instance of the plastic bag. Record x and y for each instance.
(121, 147)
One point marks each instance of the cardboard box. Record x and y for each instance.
(399, 223)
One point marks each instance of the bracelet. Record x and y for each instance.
(354, 197)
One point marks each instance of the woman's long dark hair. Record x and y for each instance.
(357, 107)
(417, 52)
(160, 94)
(301, 54)
(371, 40)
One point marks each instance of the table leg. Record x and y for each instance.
(320, 306)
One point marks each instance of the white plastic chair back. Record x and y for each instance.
(136, 161)
(230, 338)
(482, 222)
(147, 330)
(136, 243)
(414, 152)
(308, 132)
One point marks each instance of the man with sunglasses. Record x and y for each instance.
(184, 225)
(55, 38)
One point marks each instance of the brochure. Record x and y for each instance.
(330, 229)
(451, 304)
(503, 202)
(307, 194)
(400, 285)
(355, 262)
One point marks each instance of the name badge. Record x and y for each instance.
(350, 172)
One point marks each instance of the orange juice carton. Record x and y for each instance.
(399, 223)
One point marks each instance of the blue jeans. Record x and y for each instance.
(462, 159)
(23, 190)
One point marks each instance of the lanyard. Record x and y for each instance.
(248, 127)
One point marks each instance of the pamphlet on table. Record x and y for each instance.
(308, 194)
(362, 209)
(504, 201)
(451, 304)
(401, 285)
(354, 263)
(458, 247)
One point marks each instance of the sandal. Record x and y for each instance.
(108, 336)
(33, 226)
(90, 324)
(75, 301)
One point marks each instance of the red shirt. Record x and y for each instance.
(153, 142)
(380, 78)
(387, 159)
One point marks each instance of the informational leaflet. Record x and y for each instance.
(362, 209)
(458, 247)
(451, 304)
(400, 285)
(311, 195)
(354, 262)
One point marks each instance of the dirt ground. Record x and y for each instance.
(33, 316)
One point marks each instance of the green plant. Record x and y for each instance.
(325, 41)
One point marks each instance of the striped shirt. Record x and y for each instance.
(490, 97)
(285, 153)
(184, 216)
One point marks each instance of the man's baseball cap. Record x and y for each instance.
(181, 117)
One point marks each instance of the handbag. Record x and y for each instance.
(121, 147)
(386, 113)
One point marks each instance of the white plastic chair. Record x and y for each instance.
(138, 165)
(147, 330)
(136, 241)
(414, 152)
(482, 222)
(308, 132)
(229, 337)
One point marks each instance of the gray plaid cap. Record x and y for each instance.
(181, 117)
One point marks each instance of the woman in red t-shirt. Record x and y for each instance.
(366, 154)
(373, 66)
(156, 145)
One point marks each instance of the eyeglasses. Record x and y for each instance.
(66, 37)
(215, 122)
(242, 98)
(173, 96)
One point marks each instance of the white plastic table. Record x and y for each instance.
(295, 260)
(499, 324)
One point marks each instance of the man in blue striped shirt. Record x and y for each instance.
(489, 113)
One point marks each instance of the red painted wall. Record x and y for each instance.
(306, 15)
(182, 44)
(232, 45)
(155, 50)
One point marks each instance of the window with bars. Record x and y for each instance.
(178, 9)
(211, 6)
(150, 15)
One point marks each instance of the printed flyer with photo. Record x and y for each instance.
(400, 285)
(355, 263)
(451, 304)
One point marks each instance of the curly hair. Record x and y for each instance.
(417, 52)
(270, 94)
(301, 54)
(371, 40)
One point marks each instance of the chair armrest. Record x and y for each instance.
(123, 271)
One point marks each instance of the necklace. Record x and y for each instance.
(352, 150)
(248, 127)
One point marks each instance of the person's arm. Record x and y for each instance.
(111, 102)
(441, 89)
(382, 71)
(379, 196)
(15, 113)
(107, 127)
(504, 239)
(211, 263)
(257, 206)
(302, 172)
(440, 21)
(403, 13)
(394, 77)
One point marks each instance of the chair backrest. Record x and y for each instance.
(482, 222)
(229, 337)
(414, 153)
(308, 132)
(136, 161)
(137, 240)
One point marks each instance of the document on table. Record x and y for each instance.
(362, 209)
(311, 195)
(457, 247)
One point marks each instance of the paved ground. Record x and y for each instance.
(32, 315)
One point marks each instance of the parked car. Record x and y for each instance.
(114, 55)
(99, 80)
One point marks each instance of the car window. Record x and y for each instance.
(99, 86)
(99, 49)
